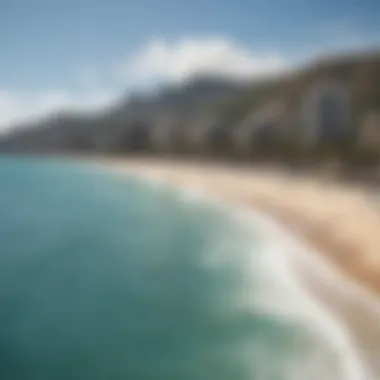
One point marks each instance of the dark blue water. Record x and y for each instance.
(107, 277)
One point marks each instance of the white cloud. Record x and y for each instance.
(17, 108)
(164, 61)
(158, 61)
(161, 61)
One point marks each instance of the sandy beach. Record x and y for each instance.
(339, 222)
(343, 222)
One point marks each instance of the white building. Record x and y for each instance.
(325, 113)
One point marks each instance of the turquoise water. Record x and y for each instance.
(108, 277)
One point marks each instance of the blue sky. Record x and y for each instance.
(57, 53)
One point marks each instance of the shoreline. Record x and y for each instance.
(338, 220)
(306, 209)
(330, 277)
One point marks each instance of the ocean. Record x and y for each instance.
(107, 276)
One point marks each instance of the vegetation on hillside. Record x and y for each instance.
(126, 127)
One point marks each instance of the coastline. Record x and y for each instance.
(339, 270)
(340, 221)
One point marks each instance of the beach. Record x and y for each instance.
(337, 223)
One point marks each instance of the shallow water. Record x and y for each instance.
(109, 277)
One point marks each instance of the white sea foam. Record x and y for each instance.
(291, 297)
(287, 296)
(284, 294)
